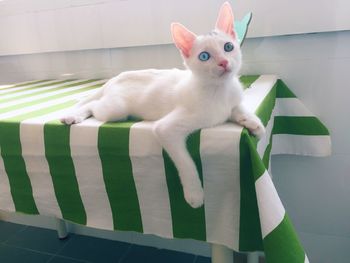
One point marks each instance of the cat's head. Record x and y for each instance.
(216, 55)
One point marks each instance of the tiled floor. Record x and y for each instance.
(25, 244)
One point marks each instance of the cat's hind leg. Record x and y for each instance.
(108, 109)
(102, 109)
(78, 114)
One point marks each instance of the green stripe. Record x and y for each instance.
(37, 87)
(247, 81)
(251, 168)
(265, 109)
(299, 126)
(58, 155)
(32, 103)
(266, 156)
(250, 230)
(295, 126)
(39, 92)
(292, 125)
(46, 99)
(283, 91)
(264, 112)
(31, 83)
(41, 112)
(26, 84)
(113, 146)
(187, 221)
(283, 245)
(11, 151)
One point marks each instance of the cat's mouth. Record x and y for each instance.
(225, 71)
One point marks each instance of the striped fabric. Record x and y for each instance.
(116, 176)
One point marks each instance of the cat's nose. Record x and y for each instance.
(223, 63)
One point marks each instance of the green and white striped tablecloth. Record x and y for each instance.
(116, 176)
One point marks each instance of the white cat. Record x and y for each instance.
(206, 94)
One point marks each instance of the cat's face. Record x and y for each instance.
(216, 55)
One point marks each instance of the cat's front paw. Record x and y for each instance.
(194, 197)
(254, 125)
(71, 119)
(259, 131)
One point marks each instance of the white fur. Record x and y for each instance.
(179, 101)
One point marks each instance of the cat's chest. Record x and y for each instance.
(216, 111)
(213, 109)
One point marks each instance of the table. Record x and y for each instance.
(116, 176)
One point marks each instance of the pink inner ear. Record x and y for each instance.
(183, 38)
(225, 20)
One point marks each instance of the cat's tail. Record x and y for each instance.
(95, 96)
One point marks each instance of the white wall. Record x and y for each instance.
(35, 26)
(315, 191)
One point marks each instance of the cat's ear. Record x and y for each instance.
(225, 20)
(183, 38)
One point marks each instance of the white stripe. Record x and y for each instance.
(33, 152)
(46, 94)
(219, 150)
(5, 86)
(89, 174)
(253, 97)
(43, 195)
(32, 142)
(270, 169)
(21, 83)
(150, 180)
(306, 259)
(220, 162)
(44, 105)
(46, 118)
(257, 92)
(23, 89)
(271, 210)
(314, 145)
(291, 107)
(6, 201)
(265, 140)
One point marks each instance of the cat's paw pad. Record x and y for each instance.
(71, 119)
(254, 125)
(259, 131)
(194, 197)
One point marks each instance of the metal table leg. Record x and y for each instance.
(221, 254)
(253, 257)
(61, 228)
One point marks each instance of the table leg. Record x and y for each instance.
(253, 257)
(221, 254)
(61, 228)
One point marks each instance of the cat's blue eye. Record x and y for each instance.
(204, 56)
(228, 47)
